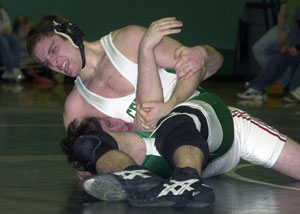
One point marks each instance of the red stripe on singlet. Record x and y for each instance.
(260, 124)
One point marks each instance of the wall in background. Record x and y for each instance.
(212, 22)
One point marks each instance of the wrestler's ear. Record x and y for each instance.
(97, 123)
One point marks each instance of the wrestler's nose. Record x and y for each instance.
(52, 61)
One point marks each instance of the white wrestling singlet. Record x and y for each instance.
(124, 107)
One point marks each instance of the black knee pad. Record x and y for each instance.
(88, 148)
(180, 130)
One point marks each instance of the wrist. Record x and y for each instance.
(171, 103)
(145, 48)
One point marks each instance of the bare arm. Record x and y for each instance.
(167, 53)
(154, 51)
(149, 88)
(280, 22)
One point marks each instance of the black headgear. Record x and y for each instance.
(67, 30)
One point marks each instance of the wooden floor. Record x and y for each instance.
(35, 177)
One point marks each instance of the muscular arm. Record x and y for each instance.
(169, 53)
(189, 64)
(186, 87)
(179, 56)
(156, 48)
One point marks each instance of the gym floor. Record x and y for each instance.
(36, 178)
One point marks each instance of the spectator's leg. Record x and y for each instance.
(265, 47)
(263, 50)
(275, 68)
(15, 48)
(6, 53)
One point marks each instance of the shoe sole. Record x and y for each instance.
(291, 98)
(288, 100)
(193, 204)
(201, 200)
(167, 203)
(147, 203)
(105, 187)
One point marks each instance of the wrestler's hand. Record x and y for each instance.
(157, 30)
(189, 60)
(149, 113)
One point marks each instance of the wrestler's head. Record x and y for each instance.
(58, 44)
(75, 129)
(90, 127)
(114, 124)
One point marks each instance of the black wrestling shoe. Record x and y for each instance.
(120, 186)
(184, 189)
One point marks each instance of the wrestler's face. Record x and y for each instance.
(113, 124)
(58, 55)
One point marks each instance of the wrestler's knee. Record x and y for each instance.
(177, 131)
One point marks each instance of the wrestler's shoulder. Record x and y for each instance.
(74, 97)
(130, 34)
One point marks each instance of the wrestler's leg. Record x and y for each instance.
(264, 145)
(180, 141)
(189, 156)
(113, 161)
(184, 144)
(116, 176)
(288, 161)
(131, 144)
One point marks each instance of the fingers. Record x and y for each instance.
(167, 26)
(185, 67)
(178, 52)
(189, 60)
(146, 125)
(142, 113)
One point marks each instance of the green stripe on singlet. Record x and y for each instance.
(156, 164)
(225, 119)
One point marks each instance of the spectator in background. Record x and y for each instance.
(9, 49)
(279, 62)
(271, 42)
(21, 28)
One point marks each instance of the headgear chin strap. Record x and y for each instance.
(68, 30)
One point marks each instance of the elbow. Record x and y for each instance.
(220, 61)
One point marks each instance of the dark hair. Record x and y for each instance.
(75, 129)
(46, 21)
